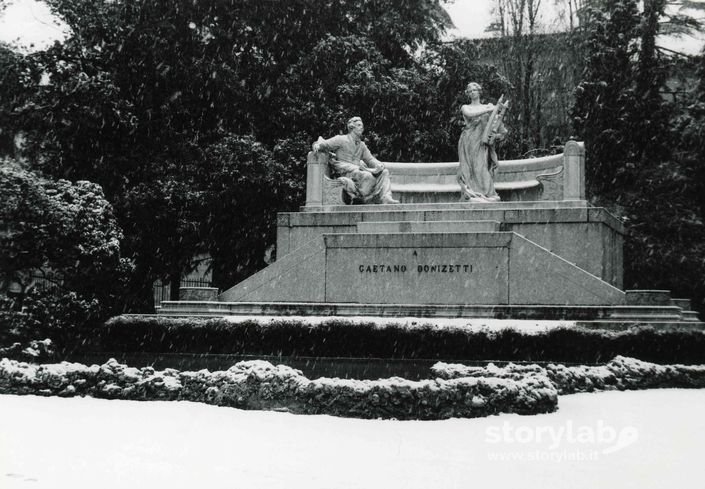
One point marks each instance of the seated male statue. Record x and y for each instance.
(365, 179)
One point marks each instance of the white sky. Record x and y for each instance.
(471, 17)
(29, 23)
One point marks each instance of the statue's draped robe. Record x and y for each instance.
(478, 161)
(349, 158)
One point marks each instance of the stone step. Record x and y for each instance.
(690, 316)
(650, 312)
(686, 309)
(682, 303)
(429, 227)
(619, 317)
(658, 325)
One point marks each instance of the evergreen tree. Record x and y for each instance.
(604, 99)
(142, 94)
(641, 154)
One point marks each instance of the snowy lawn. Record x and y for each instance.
(641, 439)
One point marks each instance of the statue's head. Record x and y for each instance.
(352, 122)
(473, 86)
(355, 126)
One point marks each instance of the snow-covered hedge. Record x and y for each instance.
(619, 374)
(33, 350)
(261, 385)
(457, 390)
(430, 338)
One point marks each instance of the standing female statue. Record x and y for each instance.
(476, 152)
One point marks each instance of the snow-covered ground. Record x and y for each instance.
(645, 439)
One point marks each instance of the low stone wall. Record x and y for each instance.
(261, 385)
(621, 373)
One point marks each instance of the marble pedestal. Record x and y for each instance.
(553, 260)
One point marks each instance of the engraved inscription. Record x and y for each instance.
(420, 268)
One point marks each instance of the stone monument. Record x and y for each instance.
(542, 252)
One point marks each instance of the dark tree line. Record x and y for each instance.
(645, 151)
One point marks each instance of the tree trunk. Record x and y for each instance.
(647, 84)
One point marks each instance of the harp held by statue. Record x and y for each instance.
(495, 119)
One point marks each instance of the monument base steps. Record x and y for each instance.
(600, 317)
(507, 260)
(502, 268)
(690, 316)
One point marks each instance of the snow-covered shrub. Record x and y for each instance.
(63, 317)
(621, 373)
(34, 350)
(429, 399)
(457, 391)
(261, 385)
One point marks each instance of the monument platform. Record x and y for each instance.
(589, 237)
(541, 253)
(506, 260)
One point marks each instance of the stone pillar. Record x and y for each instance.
(574, 168)
(314, 177)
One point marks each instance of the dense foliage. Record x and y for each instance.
(60, 261)
(644, 158)
(58, 226)
(195, 119)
